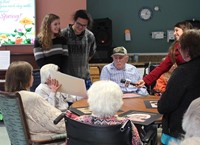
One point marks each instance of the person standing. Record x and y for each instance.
(81, 45)
(173, 56)
(182, 88)
(49, 45)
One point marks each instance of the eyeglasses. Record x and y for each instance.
(81, 25)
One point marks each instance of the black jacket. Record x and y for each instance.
(182, 88)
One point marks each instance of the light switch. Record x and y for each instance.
(170, 35)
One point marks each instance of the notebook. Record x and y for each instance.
(69, 84)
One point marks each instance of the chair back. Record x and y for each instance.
(148, 68)
(14, 118)
(87, 134)
(36, 80)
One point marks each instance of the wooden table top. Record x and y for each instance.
(129, 104)
(136, 104)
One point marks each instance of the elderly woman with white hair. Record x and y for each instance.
(191, 125)
(191, 120)
(48, 89)
(105, 99)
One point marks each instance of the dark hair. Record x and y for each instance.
(190, 40)
(84, 15)
(184, 25)
(18, 76)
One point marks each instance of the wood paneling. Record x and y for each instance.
(24, 57)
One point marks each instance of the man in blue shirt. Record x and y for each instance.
(119, 70)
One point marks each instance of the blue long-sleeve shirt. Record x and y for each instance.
(130, 72)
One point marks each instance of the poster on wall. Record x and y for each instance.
(17, 19)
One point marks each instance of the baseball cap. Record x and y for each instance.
(119, 51)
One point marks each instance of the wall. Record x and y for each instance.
(63, 8)
(124, 14)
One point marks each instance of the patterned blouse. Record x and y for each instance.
(89, 119)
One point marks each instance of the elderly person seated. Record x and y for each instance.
(38, 112)
(189, 141)
(48, 89)
(119, 69)
(105, 113)
(191, 119)
(191, 124)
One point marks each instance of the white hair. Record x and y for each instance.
(191, 141)
(45, 71)
(187, 141)
(104, 98)
(191, 119)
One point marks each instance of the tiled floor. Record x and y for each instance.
(4, 140)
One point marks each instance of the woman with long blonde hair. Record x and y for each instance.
(50, 46)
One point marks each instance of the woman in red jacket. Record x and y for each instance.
(173, 56)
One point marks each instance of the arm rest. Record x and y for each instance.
(60, 117)
(59, 136)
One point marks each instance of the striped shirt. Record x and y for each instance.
(56, 55)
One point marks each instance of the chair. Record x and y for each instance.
(79, 133)
(15, 121)
(37, 79)
(148, 67)
(94, 73)
(148, 134)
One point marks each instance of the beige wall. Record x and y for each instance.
(64, 8)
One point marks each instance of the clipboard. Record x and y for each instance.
(69, 84)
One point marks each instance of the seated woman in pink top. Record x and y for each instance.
(105, 99)
(38, 112)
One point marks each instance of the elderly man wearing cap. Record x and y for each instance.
(124, 74)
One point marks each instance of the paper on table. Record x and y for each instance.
(5, 60)
(131, 95)
(151, 103)
(69, 84)
(140, 117)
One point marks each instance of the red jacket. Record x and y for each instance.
(163, 67)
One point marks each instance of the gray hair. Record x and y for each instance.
(190, 41)
(187, 141)
(104, 98)
(45, 71)
(191, 119)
